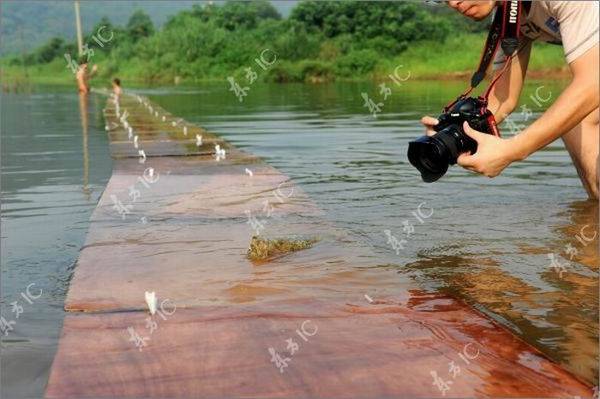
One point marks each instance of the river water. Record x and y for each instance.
(55, 165)
(488, 242)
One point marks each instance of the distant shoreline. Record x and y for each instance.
(454, 59)
(12, 77)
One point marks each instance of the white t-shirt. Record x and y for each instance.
(574, 24)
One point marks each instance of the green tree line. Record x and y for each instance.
(319, 41)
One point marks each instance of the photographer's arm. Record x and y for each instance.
(575, 103)
(579, 99)
(505, 94)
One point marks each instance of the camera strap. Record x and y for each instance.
(504, 33)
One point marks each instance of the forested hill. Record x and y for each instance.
(26, 24)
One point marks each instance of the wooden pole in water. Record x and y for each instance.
(78, 25)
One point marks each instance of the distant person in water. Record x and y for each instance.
(83, 75)
(116, 86)
(574, 115)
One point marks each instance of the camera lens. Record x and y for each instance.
(432, 155)
(429, 156)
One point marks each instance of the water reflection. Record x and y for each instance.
(561, 321)
(49, 189)
(578, 288)
(83, 115)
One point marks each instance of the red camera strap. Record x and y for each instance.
(504, 31)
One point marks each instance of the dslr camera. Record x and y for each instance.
(432, 155)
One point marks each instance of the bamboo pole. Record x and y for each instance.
(78, 25)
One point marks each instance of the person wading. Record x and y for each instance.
(573, 116)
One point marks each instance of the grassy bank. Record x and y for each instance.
(460, 55)
(457, 57)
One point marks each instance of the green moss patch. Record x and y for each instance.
(262, 249)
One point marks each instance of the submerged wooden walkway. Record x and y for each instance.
(177, 219)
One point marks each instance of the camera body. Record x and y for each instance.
(433, 155)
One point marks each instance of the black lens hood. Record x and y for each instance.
(416, 151)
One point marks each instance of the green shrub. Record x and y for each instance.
(314, 71)
(139, 26)
(51, 50)
(385, 45)
(329, 50)
(284, 72)
(358, 62)
(296, 44)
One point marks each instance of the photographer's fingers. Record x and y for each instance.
(474, 134)
(467, 161)
(429, 122)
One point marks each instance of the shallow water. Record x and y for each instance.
(53, 172)
(487, 241)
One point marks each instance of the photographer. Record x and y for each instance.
(573, 116)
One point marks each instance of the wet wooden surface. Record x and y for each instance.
(354, 350)
(185, 237)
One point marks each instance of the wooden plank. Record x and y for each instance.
(230, 311)
(203, 261)
(359, 350)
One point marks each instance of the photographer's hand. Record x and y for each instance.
(429, 122)
(492, 156)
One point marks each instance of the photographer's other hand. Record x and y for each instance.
(492, 156)
(429, 122)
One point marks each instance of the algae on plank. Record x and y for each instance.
(263, 249)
